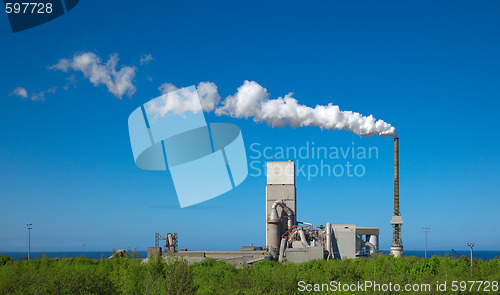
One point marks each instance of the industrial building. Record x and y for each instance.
(293, 241)
(289, 240)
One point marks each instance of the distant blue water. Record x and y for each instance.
(485, 255)
(89, 254)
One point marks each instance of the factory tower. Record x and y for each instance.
(397, 220)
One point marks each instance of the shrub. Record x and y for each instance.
(171, 275)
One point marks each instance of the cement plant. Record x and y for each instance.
(291, 240)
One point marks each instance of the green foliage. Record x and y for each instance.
(4, 259)
(171, 275)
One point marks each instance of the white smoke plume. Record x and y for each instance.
(20, 91)
(209, 96)
(38, 96)
(145, 59)
(252, 101)
(184, 101)
(167, 87)
(117, 82)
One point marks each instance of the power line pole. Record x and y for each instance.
(83, 249)
(426, 230)
(471, 245)
(29, 239)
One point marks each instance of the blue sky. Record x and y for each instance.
(428, 68)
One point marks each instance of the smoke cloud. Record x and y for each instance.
(20, 91)
(185, 101)
(145, 59)
(117, 82)
(252, 101)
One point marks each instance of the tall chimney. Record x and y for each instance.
(396, 176)
(396, 221)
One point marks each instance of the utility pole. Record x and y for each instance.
(426, 230)
(29, 239)
(83, 249)
(471, 245)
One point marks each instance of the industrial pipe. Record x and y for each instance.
(373, 248)
(373, 239)
(282, 249)
(274, 226)
(274, 232)
(289, 212)
(303, 238)
(170, 239)
(328, 239)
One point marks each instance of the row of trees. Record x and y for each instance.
(128, 275)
